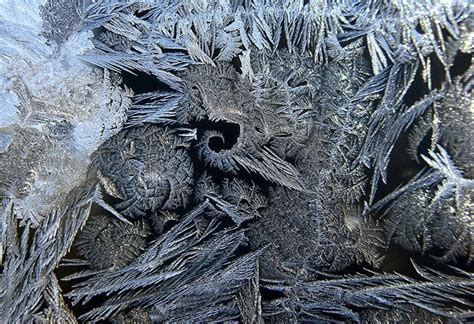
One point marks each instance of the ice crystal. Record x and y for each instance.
(109, 243)
(249, 160)
(146, 167)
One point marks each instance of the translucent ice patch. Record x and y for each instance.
(5, 141)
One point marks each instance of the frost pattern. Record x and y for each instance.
(250, 169)
(63, 111)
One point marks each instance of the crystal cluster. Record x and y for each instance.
(249, 160)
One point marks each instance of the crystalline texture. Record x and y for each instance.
(249, 160)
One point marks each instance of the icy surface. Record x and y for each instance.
(250, 160)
